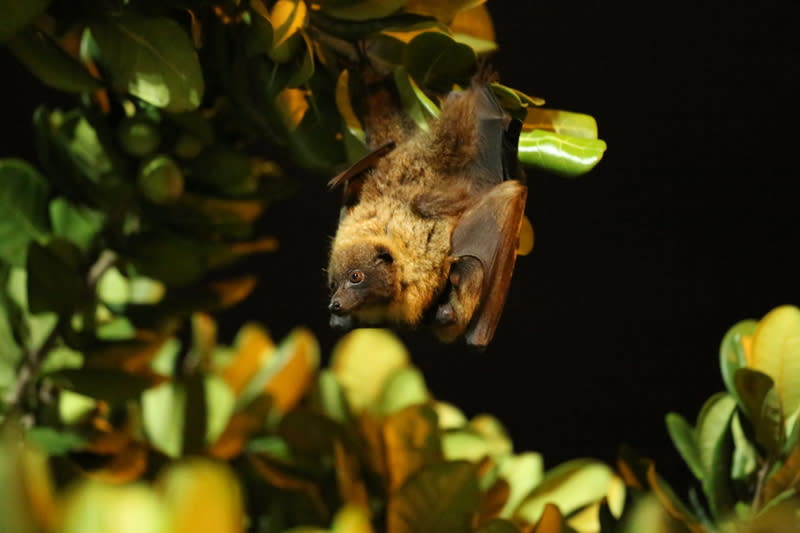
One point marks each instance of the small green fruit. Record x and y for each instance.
(139, 137)
(161, 180)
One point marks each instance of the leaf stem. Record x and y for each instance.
(30, 366)
(760, 483)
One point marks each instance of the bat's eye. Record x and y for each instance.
(355, 277)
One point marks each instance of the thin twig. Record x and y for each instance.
(760, 482)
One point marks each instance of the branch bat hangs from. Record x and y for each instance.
(430, 223)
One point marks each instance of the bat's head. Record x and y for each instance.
(362, 280)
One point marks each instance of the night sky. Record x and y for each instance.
(688, 225)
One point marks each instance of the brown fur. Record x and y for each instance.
(409, 204)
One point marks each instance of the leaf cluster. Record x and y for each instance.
(743, 448)
(359, 446)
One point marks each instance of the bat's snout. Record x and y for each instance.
(335, 307)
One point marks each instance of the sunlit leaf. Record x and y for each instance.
(494, 432)
(287, 17)
(450, 416)
(95, 507)
(202, 496)
(683, 438)
(78, 224)
(560, 154)
(330, 398)
(569, 486)
(776, 352)
(23, 202)
(443, 10)
(287, 374)
(440, 497)
(522, 472)
(48, 62)
(345, 107)
(17, 15)
(404, 387)
(252, 345)
(352, 519)
(762, 406)
(731, 351)
(26, 489)
(363, 360)
(151, 58)
(416, 105)
(163, 416)
(412, 441)
(474, 27)
(437, 62)
(464, 444)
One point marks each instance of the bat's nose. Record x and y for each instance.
(335, 307)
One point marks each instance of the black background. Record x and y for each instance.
(687, 226)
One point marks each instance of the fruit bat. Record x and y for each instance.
(430, 222)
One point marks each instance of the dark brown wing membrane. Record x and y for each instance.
(487, 232)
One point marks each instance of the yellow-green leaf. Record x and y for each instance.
(732, 351)
(776, 352)
(560, 154)
(412, 442)
(95, 507)
(345, 107)
(559, 121)
(362, 362)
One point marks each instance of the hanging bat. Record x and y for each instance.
(430, 223)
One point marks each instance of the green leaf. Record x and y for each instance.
(436, 61)
(757, 393)
(92, 507)
(151, 58)
(522, 472)
(713, 435)
(55, 442)
(23, 202)
(745, 458)
(11, 331)
(569, 486)
(464, 445)
(683, 437)
(561, 122)
(17, 15)
(164, 411)
(405, 387)
(78, 224)
(48, 62)
(416, 105)
(55, 282)
(287, 17)
(223, 170)
(102, 384)
(560, 154)
(303, 67)
(440, 497)
(776, 352)
(732, 353)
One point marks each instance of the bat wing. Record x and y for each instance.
(484, 246)
(352, 178)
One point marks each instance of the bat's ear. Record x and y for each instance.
(383, 255)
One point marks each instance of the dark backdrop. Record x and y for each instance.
(687, 226)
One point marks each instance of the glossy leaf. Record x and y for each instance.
(17, 15)
(464, 445)
(713, 443)
(440, 497)
(416, 105)
(356, 30)
(345, 107)
(759, 398)
(776, 352)
(363, 360)
(436, 61)
(732, 352)
(684, 440)
(253, 346)
(560, 121)
(474, 28)
(48, 62)
(151, 58)
(569, 486)
(411, 442)
(287, 18)
(560, 154)
(23, 202)
(745, 458)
